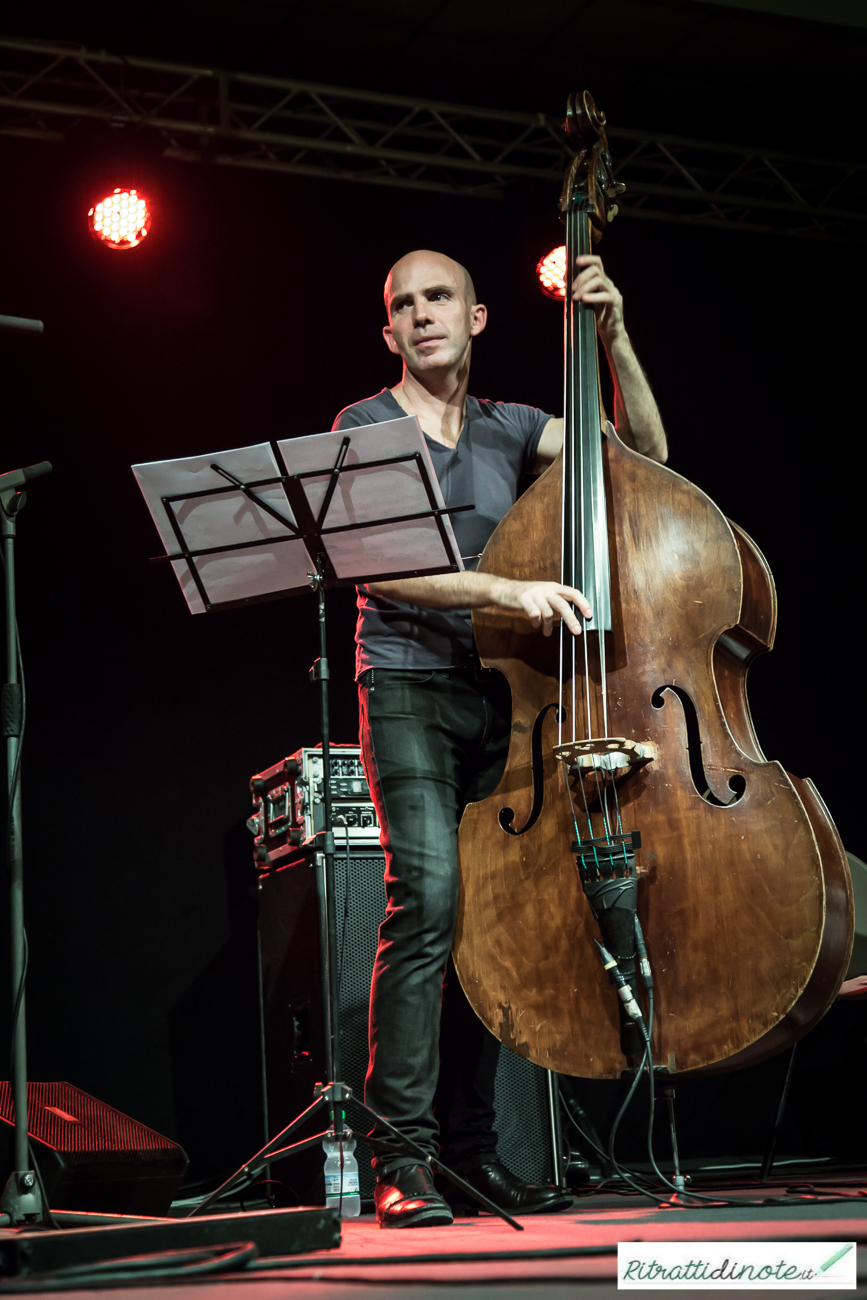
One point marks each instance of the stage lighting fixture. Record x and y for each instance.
(120, 220)
(552, 273)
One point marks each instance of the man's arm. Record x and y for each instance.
(544, 603)
(636, 415)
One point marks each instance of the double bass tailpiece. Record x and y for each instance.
(616, 852)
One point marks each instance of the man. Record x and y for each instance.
(435, 729)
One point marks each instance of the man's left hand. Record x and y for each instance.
(592, 285)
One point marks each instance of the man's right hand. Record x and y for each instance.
(544, 603)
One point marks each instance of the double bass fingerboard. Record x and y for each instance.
(586, 562)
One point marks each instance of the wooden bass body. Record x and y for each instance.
(743, 887)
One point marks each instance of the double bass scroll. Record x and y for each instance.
(637, 738)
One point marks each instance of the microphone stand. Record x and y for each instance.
(21, 1202)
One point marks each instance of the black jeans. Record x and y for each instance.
(433, 742)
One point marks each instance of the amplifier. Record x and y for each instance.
(293, 1020)
(91, 1156)
(288, 803)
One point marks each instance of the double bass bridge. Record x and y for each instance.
(604, 754)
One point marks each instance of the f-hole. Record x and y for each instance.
(737, 784)
(507, 815)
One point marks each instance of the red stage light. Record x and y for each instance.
(552, 273)
(120, 220)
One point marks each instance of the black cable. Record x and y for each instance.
(627, 1178)
(19, 998)
(188, 1191)
(237, 1189)
(16, 771)
(648, 1056)
(647, 1064)
(13, 784)
(578, 1129)
(271, 1196)
(636, 1176)
(705, 1201)
(633, 1180)
(142, 1270)
(10, 821)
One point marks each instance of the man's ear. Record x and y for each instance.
(478, 319)
(390, 340)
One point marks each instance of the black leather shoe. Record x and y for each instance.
(407, 1198)
(507, 1191)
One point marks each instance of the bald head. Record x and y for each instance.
(433, 315)
(435, 266)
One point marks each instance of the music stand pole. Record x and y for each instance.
(325, 860)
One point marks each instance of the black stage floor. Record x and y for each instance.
(573, 1254)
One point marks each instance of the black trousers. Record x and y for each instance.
(432, 742)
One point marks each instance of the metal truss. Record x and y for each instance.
(273, 124)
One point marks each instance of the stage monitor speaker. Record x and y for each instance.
(293, 1047)
(90, 1156)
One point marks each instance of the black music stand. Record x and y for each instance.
(313, 494)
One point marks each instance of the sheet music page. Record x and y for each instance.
(270, 566)
(262, 557)
(370, 493)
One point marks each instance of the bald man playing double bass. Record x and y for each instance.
(435, 727)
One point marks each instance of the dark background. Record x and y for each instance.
(253, 311)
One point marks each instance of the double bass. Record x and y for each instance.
(634, 765)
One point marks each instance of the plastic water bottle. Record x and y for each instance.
(349, 1204)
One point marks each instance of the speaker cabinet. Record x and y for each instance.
(90, 1156)
(293, 1020)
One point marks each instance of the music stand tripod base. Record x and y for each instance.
(336, 1096)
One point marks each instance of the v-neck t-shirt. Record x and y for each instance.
(496, 448)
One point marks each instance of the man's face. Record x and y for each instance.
(431, 321)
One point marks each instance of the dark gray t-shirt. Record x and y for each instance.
(496, 448)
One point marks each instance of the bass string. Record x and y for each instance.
(587, 496)
(566, 505)
(579, 481)
(571, 563)
(586, 327)
(576, 476)
(593, 498)
(572, 566)
(594, 495)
